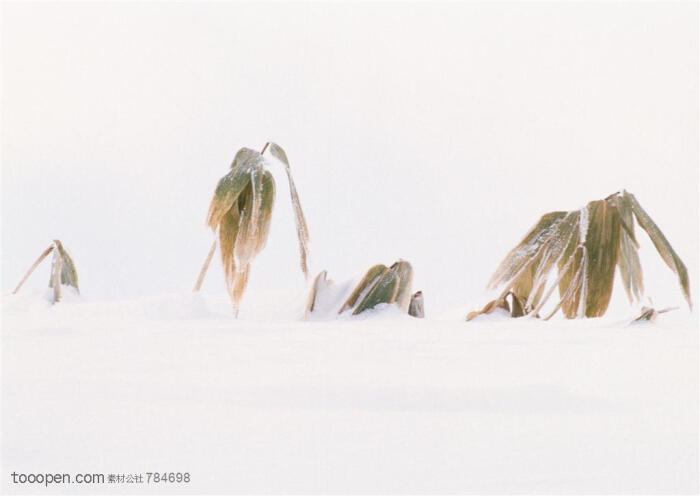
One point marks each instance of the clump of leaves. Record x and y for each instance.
(585, 246)
(62, 270)
(240, 212)
(380, 284)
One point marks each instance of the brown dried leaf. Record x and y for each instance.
(518, 259)
(662, 245)
(602, 248)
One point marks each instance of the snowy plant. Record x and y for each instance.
(380, 284)
(62, 270)
(240, 212)
(586, 246)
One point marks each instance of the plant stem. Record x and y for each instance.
(205, 267)
(34, 266)
(56, 275)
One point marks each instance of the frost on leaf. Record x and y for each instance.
(587, 246)
(241, 211)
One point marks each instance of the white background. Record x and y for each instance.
(435, 133)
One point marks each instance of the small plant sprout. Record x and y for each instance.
(415, 308)
(62, 270)
(586, 246)
(240, 213)
(380, 284)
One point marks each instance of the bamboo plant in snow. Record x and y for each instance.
(240, 213)
(586, 246)
(380, 284)
(62, 270)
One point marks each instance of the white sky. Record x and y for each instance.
(435, 133)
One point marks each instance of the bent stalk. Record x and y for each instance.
(34, 266)
(205, 267)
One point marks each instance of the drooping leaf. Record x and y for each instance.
(522, 285)
(517, 260)
(267, 202)
(587, 246)
(279, 153)
(551, 252)
(572, 294)
(228, 231)
(69, 276)
(662, 245)
(244, 248)
(62, 270)
(245, 156)
(302, 228)
(571, 300)
(256, 189)
(232, 185)
(602, 248)
(573, 290)
(628, 262)
(241, 210)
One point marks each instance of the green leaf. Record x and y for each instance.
(243, 156)
(383, 291)
(232, 184)
(279, 153)
(264, 218)
(370, 277)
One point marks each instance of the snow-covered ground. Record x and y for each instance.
(383, 403)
